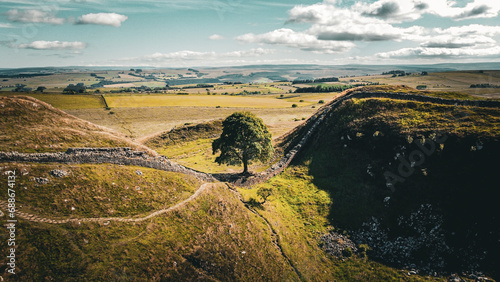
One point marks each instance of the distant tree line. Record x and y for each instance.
(24, 75)
(199, 85)
(401, 73)
(323, 88)
(319, 80)
(395, 73)
(484, 85)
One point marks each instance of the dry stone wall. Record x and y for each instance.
(120, 156)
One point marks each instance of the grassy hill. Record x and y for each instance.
(212, 238)
(30, 125)
(437, 212)
(444, 210)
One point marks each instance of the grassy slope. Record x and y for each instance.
(191, 146)
(338, 169)
(207, 239)
(100, 190)
(29, 125)
(211, 238)
(299, 213)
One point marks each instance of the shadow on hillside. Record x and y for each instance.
(447, 208)
(239, 178)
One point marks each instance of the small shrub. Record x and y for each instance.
(301, 101)
(265, 193)
(294, 106)
(218, 107)
(347, 252)
(281, 96)
(321, 101)
(363, 249)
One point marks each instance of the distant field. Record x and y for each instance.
(459, 81)
(140, 122)
(203, 101)
(140, 115)
(65, 102)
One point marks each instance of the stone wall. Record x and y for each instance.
(120, 156)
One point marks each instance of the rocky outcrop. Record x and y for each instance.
(120, 156)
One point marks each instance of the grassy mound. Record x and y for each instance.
(30, 125)
(212, 238)
(410, 90)
(185, 134)
(98, 190)
(434, 205)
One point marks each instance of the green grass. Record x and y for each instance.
(66, 102)
(100, 190)
(30, 126)
(198, 155)
(191, 146)
(299, 212)
(415, 118)
(213, 238)
(369, 133)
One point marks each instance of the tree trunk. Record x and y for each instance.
(245, 163)
(245, 167)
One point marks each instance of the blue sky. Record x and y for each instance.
(236, 32)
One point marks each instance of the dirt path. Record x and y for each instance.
(107, 220)
(275, 238)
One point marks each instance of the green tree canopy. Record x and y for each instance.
(244, 138)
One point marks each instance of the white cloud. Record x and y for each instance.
(431, 53)
(189, 58)
(335, 29)
(53, 45)
(302, 41)
(473, 10)
(33, 16)
(366, 32)
(449, 41)
(5, 25)
(467, 30)
(111, 19)
(187, 55)
(216, 37)
(391, 10)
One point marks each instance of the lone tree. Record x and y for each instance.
(244, 138)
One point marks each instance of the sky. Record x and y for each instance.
(197, 33)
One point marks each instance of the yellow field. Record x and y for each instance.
(199, 101)
(65, 102)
